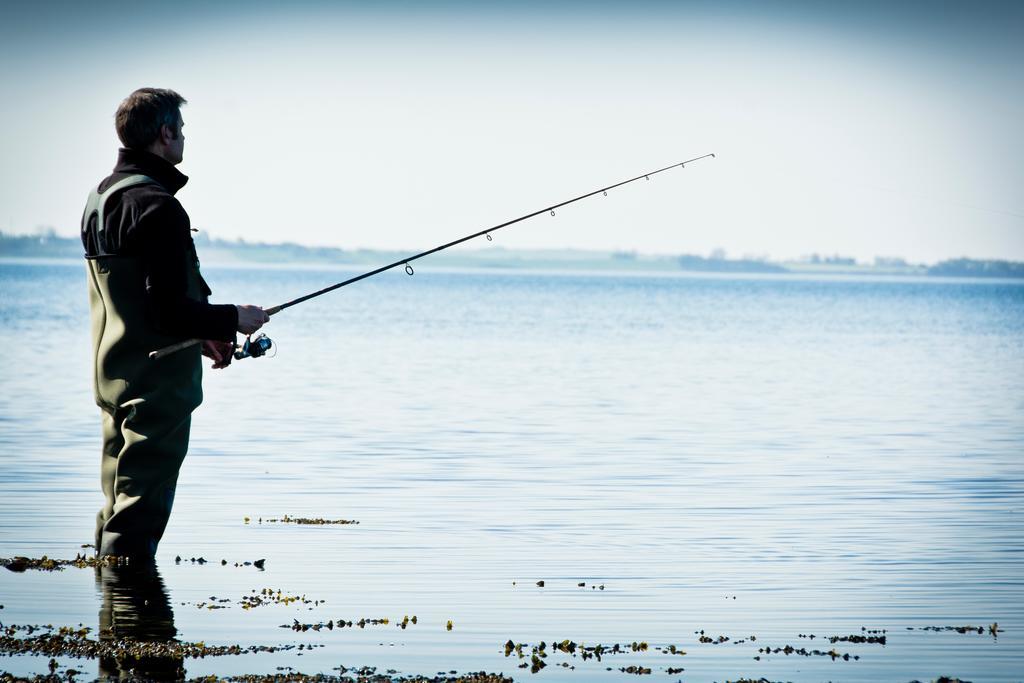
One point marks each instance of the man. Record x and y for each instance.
(146, 292)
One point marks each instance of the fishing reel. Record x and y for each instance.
(254, 347)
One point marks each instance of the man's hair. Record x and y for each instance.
(141, 114)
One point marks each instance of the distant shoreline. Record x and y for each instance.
(226, 253)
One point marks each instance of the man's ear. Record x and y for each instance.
(167, 134)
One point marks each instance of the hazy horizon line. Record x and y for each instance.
(209, 240)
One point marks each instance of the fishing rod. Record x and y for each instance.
(254, 348)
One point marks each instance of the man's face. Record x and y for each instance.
(176, 148)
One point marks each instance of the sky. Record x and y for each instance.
(862, 129)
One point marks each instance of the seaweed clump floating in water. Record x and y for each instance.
(366, 674)
(314, 521)
(49, 564)
(993, 629)
(70, 641)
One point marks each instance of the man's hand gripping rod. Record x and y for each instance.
(160, 353)
(168, 350)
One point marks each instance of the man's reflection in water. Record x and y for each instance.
(136, 608)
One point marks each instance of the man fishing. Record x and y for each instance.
(145, 292)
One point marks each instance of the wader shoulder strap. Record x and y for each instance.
(98, 200)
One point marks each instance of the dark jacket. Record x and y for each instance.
(147, 223)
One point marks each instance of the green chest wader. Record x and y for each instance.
(146, 404)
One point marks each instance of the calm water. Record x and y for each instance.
(747, 456)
